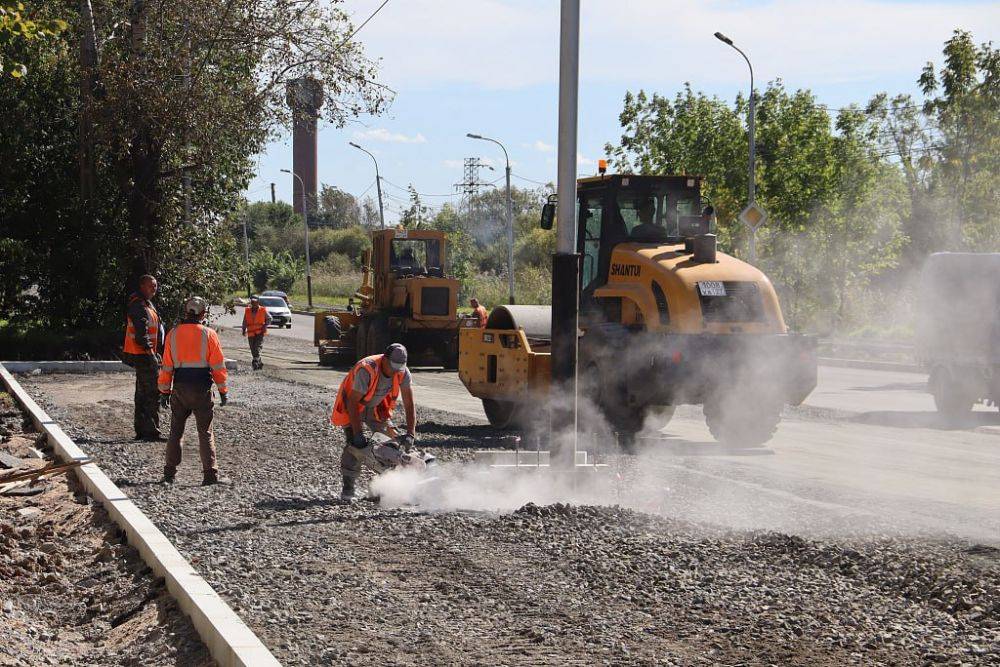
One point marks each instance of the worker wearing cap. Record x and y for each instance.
(192, 360)
(141, 350)
(367, 396)
(256, 320)
(478, 312)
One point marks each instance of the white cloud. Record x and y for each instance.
(542, 147)
(382, 134)
(454, 164)
(582, 161)
(514, 43)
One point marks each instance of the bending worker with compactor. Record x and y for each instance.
(256, 320)
(192, 359)
(367, 396)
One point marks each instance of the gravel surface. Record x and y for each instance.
(327, 583)
(71, 590)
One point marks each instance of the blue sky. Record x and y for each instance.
(491, 67)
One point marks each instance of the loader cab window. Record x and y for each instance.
(591, 219)
(415, 257)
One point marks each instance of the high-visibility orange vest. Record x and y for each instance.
(152, 329)
(256, 324)
(192, 345)
(480, 313)
(383, 410)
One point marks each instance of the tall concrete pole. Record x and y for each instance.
(566, 261)
(510, 219)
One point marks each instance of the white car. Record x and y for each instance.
(276, 307)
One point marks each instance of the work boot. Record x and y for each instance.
(210, 478)
(168, 476)
(347, 493)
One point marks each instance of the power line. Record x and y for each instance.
(358, 29)
(419, 194)
(529, 180)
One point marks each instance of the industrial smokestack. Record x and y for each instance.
(305, 97)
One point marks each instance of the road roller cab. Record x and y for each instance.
(665, 319)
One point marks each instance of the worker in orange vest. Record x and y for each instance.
(141, 350)
(192, 360)
(256, 320)
(478, 312)
(367, 396)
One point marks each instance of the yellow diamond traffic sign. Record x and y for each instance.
(753, 216)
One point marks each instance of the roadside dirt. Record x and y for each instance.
(326, 583)
(71, 591)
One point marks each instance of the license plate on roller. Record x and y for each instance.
(712, 288)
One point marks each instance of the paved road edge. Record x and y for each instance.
(227, 637)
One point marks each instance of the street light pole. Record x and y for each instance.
(378, 183)
(751, 123)
(305, 218)
(510, 219)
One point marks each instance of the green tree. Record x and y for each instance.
(19, 24)
(337, 208)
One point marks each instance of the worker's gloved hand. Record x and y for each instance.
(407, 441)
(223, 398)
(159, 359)
(164, 400)
(244, 332)
(359, 440)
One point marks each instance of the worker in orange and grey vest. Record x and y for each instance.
(478, 312)
(367, 397)
(256, 320)
(192, 360)
(141, 350)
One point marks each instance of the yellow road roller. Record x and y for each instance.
(665, 319)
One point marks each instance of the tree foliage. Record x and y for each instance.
(179, 99)
(852, 197)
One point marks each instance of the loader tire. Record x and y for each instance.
(741, 424)
(503, 415)
(951, 398)
(361, 340)
(378, 335)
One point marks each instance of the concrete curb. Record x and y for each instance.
(865, 364)
(80, 366)
(227, 637)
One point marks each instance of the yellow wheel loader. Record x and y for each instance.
(404, 297)
(665, 319)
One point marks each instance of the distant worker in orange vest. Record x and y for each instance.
(192, 360)
(256, 320)
(141, 350)
(367, 396)
(479, 312)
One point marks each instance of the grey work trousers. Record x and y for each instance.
(185, 400)
(256, 343)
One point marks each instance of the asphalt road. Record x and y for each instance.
(867, 443)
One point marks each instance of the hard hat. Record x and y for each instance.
(195, 306)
